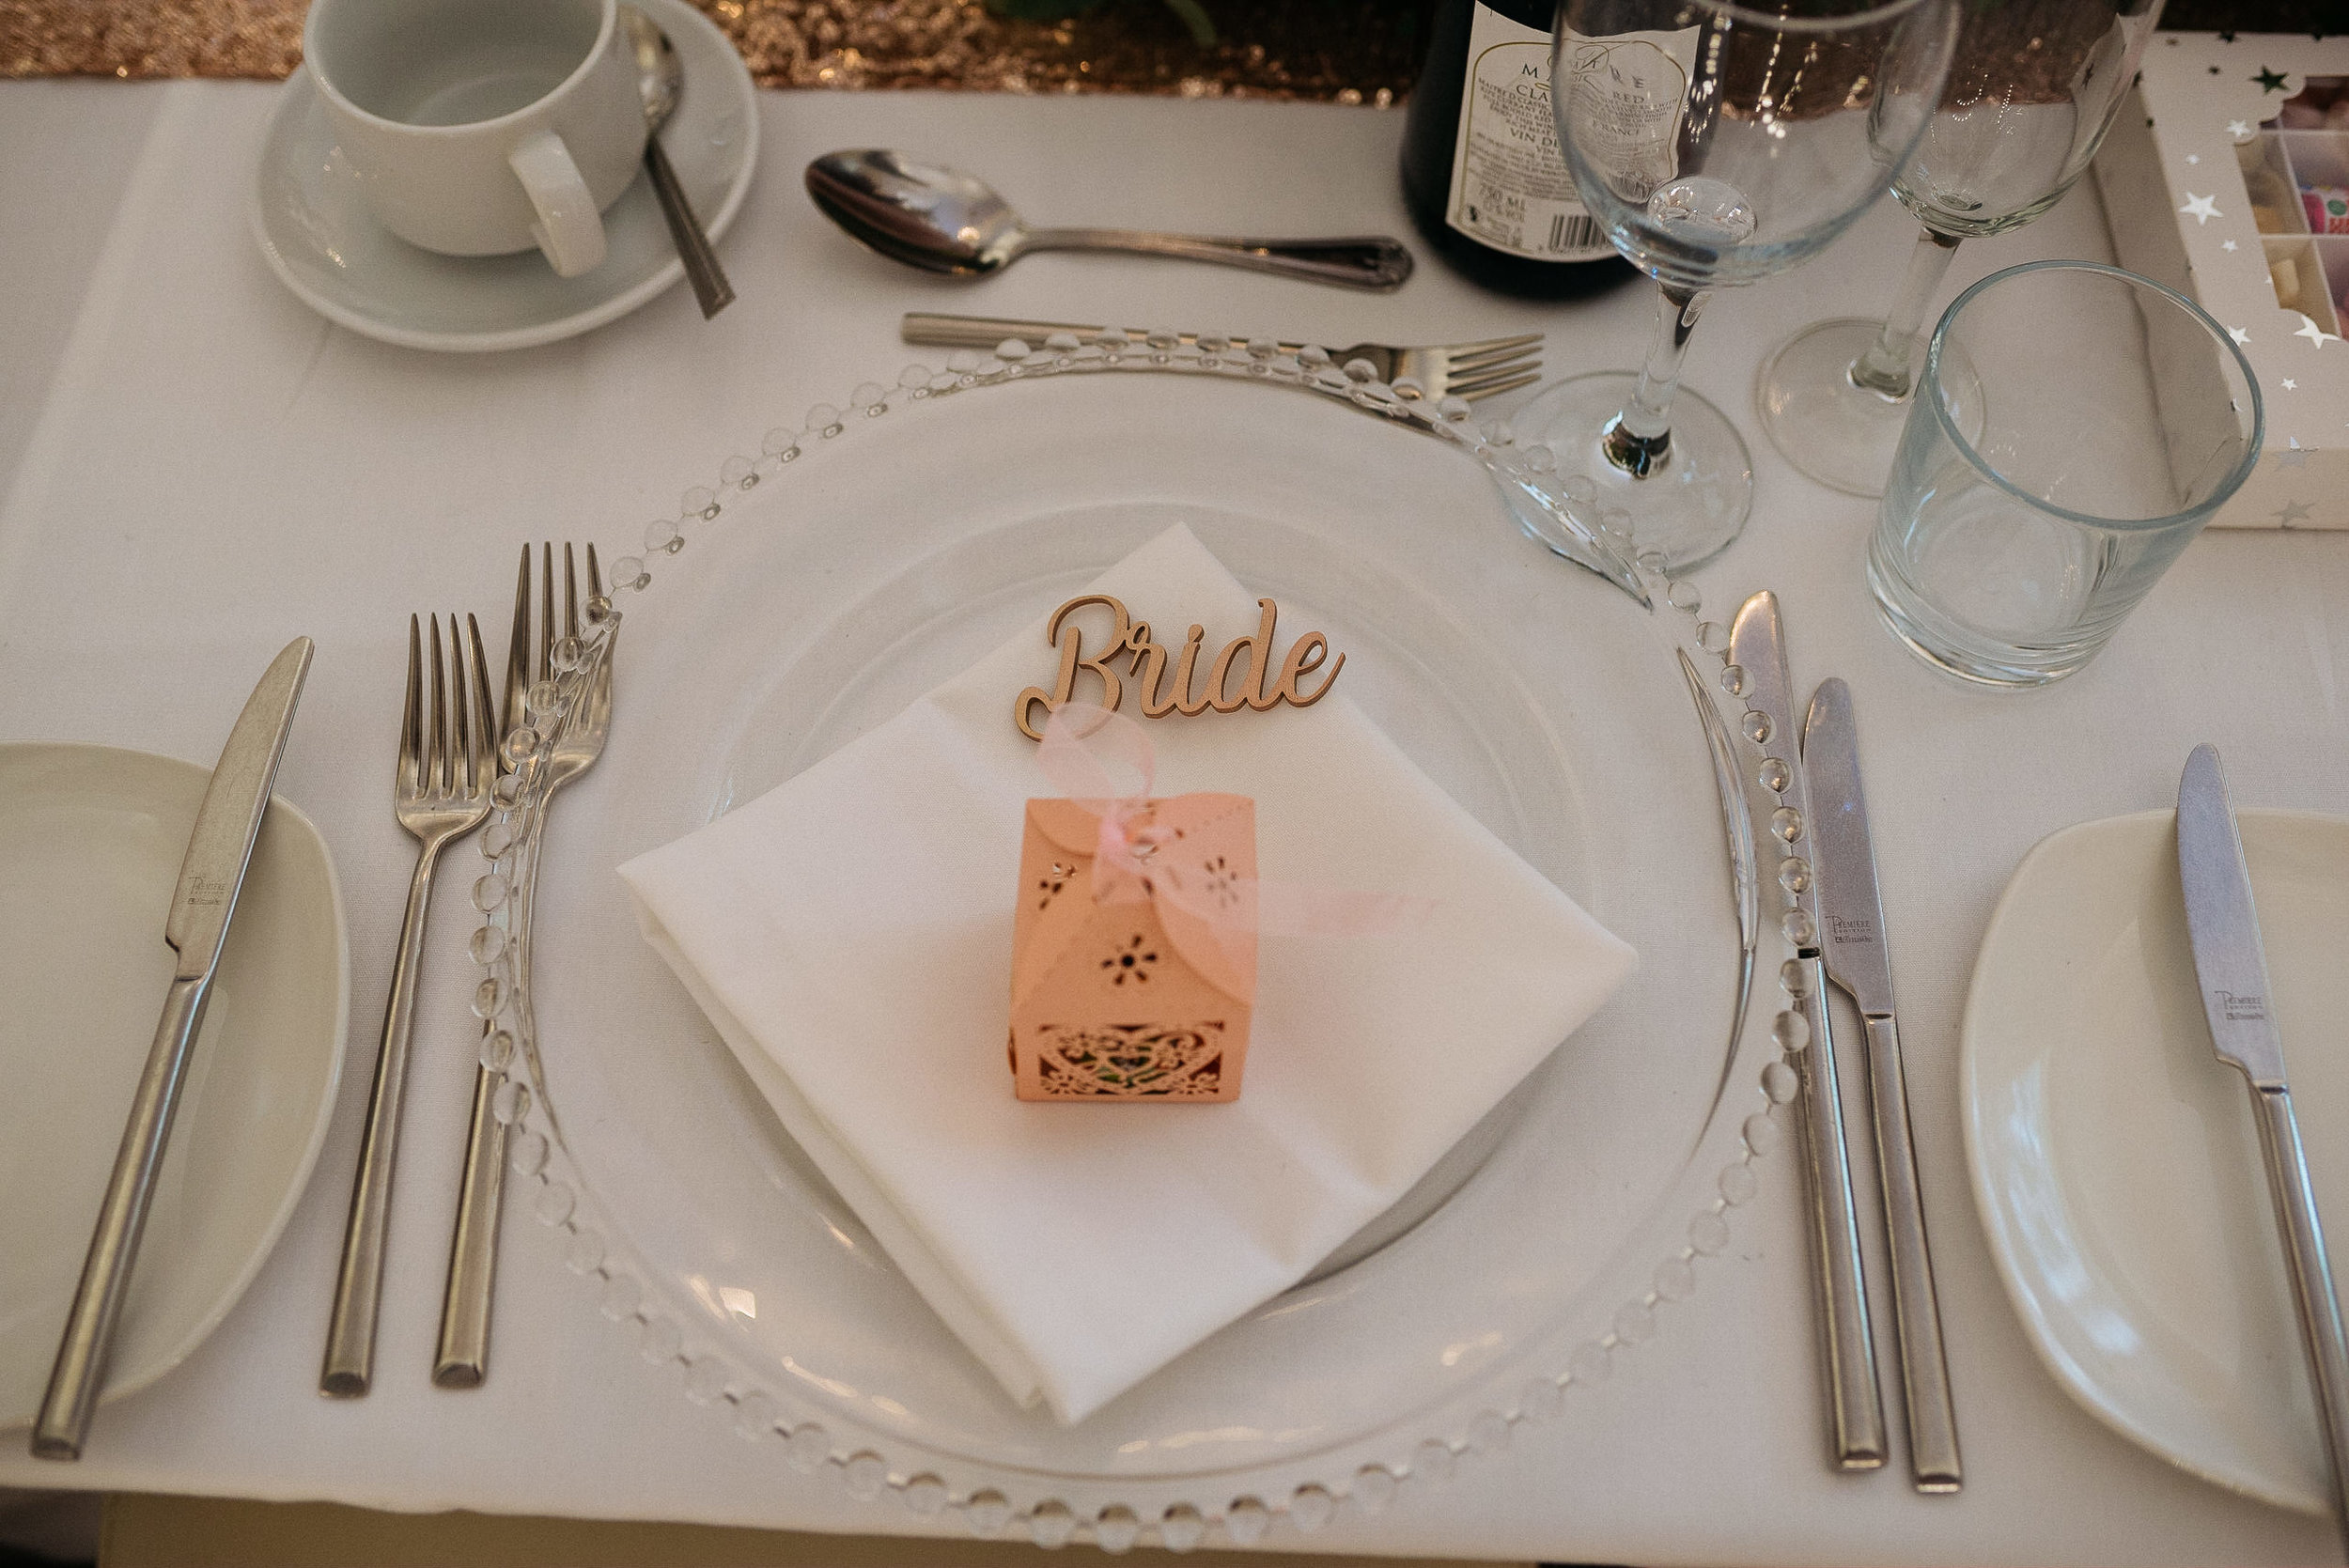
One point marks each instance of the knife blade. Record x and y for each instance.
(1777, 799)
(1854, 947)
(2230, 966)
(202, 905)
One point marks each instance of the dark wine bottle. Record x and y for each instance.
(1481, 173)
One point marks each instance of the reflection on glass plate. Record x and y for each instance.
(816, 602)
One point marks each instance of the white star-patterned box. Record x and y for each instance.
(2221, 177)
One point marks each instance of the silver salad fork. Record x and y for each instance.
(461, 1359)
(441, 792)
(1466, 371)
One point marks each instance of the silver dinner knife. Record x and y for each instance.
(2231, 968)
(1853, 945)
(1778, 801)
(201, 907)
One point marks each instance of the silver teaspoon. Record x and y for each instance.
(944, 221)
(662, 80)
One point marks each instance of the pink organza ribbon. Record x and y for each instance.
(1082, 743)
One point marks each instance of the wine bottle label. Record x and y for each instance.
(1510, 188)
(1625, 96)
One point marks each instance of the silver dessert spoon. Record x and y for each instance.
(944, 221)
(662, 80)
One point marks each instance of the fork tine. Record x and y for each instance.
(436, 760)
(412, 719)
(1470, 363)
(1492, 371)
(594, 575)
(570, 594)
(461, 760)
(1489, 345)
(477, 758)
(517, 651)
(1494, 388)
(546, 610)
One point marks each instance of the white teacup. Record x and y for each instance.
(484, 127)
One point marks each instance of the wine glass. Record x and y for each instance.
(1718, 144)
(2034, 87)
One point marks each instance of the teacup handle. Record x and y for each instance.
(568, 230)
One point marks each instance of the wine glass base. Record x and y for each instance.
(1688, 507)
(1830, 427)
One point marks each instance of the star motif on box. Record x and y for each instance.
(2314, 333)
(2192, 159)
(2228, 245)
(2293, 511)
(2269, 81)
(2291, 385)
(2200, 208)
(2239, 129)
(2239, 335)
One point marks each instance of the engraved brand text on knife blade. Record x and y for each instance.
(1845, 929)
(2236, 1008)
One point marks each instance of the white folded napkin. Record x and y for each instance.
(850, 934)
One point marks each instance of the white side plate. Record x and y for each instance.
(90, 844)
(2114, 1159)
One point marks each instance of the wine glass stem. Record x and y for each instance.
(1640, 439)
(1885, 368)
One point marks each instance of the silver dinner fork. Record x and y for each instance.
(1465, 370)
(441, 792)
(463, 1357)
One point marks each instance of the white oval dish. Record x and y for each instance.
(91, 839)
(2115, 1162)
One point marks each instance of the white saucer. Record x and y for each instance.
(92, 839)
(2115, 1162)
(314, 224)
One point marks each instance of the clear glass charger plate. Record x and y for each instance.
(815, 591)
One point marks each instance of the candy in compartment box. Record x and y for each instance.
(2227, 177)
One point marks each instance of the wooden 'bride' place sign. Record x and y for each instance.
(1240, 677)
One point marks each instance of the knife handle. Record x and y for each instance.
(73, 1381)
(1933, 1457)
(1855, 1401)
(2312, 1281)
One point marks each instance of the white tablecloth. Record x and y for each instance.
(315, 482)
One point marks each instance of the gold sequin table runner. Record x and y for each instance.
(1337, 51)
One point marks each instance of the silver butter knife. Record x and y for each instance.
(201, 907)
(1853, 945)
(2231, 968)
(1778, 801)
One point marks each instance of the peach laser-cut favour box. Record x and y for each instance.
(1134, 982)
